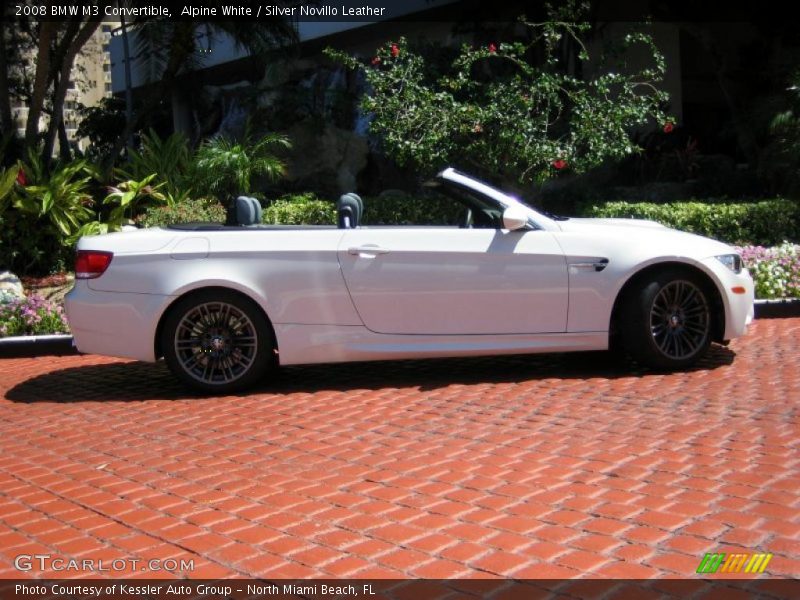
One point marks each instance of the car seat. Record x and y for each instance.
(349, 209)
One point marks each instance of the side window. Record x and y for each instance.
(481, 213)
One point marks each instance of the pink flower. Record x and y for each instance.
(668, 127)
(492, 48)
(376, 61)
(395, 50)
(21, 179)
(559, 164)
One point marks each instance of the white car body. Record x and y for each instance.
(370, 293)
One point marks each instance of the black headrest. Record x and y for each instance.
(246, 211)
(349, 209)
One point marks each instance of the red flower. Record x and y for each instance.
(21, 179)
(395, 50)
(376, 60)
(668, 127)
(559, 164)
(492, 48)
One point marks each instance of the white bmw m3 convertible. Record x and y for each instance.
(226, 304)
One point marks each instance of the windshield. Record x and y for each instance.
(462, 179)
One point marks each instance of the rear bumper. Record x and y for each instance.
(114, 323)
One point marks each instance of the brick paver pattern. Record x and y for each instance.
(534, 466)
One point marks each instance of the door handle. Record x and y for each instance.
(367, 249)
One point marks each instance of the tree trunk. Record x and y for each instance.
(6, 122)
(64, 150)
(182, 113)
(63, 141)
(60, 94)
(40, 83)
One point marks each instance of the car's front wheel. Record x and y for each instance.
(666, 319)
(216, 341)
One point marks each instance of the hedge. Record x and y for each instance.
(391, 209)
(404, 209)
(300, 209)
(191, 211)
(765, 223)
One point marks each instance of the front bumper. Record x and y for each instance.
(739, 308)
(114, 323)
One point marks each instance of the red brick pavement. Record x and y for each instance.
(549, 466)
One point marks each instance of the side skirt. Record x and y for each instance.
(309, 344)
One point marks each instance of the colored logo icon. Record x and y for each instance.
(734, 563)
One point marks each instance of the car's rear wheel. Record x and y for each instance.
(666, 319)
(217, 341)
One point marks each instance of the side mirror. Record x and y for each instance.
(514, 218)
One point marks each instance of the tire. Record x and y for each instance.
(666, 321)
(218, 342)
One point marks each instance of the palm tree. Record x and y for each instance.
(226, 167)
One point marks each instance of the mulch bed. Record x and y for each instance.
(49, 281)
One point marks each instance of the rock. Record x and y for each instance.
(10, 285)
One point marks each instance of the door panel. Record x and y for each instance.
(426, 280)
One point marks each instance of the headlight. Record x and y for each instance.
(732, 261)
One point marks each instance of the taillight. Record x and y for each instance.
(90, 264)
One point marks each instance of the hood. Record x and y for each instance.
(614, 222)
(650, 234)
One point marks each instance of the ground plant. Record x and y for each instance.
(30, 316)
(776, 270)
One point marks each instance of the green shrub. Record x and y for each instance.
(204, 210)
(391, 209)
(765, 223)
(405, 209)
(32, 246)
(170, 158)
(41, 213)
(300, 209)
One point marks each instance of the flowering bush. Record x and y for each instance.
(30, 316)
(514, 109)
(776, 270)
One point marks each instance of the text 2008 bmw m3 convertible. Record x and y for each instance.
(225, 304)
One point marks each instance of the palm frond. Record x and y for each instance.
(226, 168)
